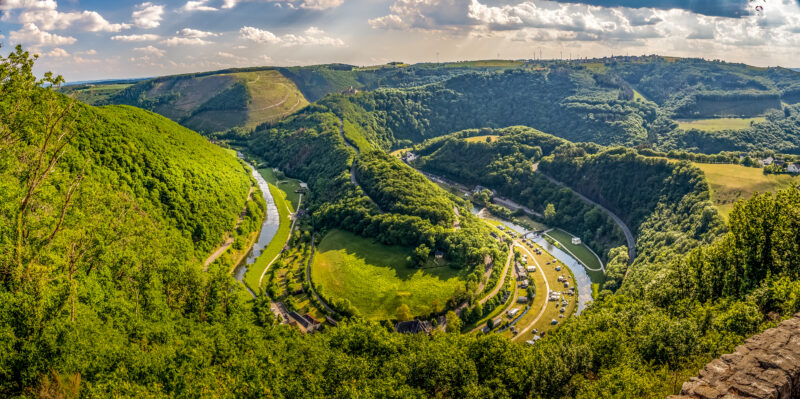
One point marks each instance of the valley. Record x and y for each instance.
(495, 228)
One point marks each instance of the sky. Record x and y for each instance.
(109, 39)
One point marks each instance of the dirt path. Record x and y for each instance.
(311, 284)
(218, 252)
(353, 166)
(501, 281)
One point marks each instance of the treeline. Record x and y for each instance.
(507, 164)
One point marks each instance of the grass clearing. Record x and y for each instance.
(491, 137)
(377, 279)
(730, 183)
(717, 124)
(583, 252)
(253, 275)
(288, 186)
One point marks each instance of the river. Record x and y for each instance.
(268, 229)
(581, 278)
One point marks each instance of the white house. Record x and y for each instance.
(576, 241)
(793, 168)
(766, 161)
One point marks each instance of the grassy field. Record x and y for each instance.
(275, 246)
(476, 139)
(717, 124)
(732, 182)
(288, 186)
(638, 96)
(272, 96)
(355, 137)
(377, 279)
(94, 94)
(582, 252)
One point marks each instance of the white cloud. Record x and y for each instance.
(185, 41)
(32, 35)
(225, 55)
(258, 35)
(551, 21)
(306, 4)
(49, 19)
(148, 15)
(28, 4)
(320, 4)
(312, 36)
(151, 50)
(57, 52)
(147, 37)
(201, 5)
(188, 32)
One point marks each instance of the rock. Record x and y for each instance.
(764, 366)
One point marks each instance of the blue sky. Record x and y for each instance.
(93, 39)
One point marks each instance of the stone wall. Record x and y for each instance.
(765, 366)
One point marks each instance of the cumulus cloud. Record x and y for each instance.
(50, 19)
(189, 37)
(320, 4)
(57, 52)
(148, 15)
(146, 37)
(31, 34)
(150, 50)
(312, 36)
(201, 5)
(185, 41)
(543, 20)
(6, 5)
(188, 32)
(306, 4)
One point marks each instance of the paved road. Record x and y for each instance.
(628, 235)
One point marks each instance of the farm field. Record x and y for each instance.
(377, 279)
(275, 246)
(730, 183)
(717, 124)
(582, 252)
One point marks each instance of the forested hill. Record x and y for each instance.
(106, 215)
(621, 100)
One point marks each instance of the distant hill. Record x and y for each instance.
(619, 100)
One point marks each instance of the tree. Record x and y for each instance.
(404, 313)
(549, 212)
(421, 254)
(454, 323)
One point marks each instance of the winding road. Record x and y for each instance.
(628, 235)
(353, 166)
